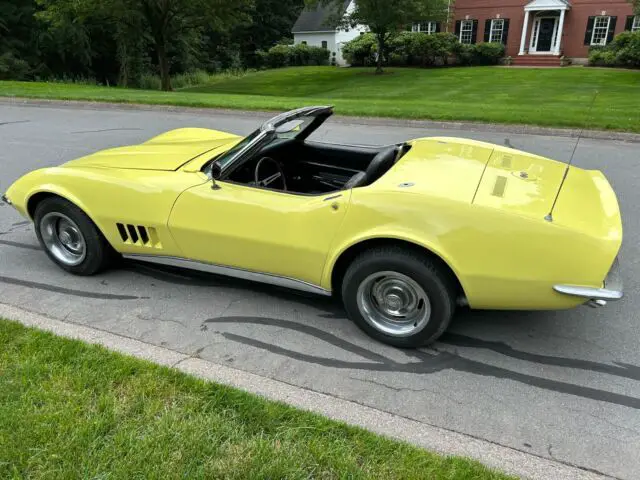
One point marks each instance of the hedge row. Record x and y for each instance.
(623, 51)
(292, 56)
(422, 50)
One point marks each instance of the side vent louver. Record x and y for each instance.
(139, 235)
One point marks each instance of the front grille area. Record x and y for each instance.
(139, 235)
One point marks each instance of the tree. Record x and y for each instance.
(170, 20)
(386, 17)
(636, 6)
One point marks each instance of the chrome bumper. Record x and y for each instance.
(597, 297)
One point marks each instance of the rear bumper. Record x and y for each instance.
(597, 297)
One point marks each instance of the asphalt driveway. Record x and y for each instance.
(563, 385)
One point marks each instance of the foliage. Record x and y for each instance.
(361, 51)
(480, 53)
(408, 48)
(127, 42)
(293, 55)
(422, 50)
(623, 51)
(384, 19)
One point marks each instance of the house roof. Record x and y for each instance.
(319, 18)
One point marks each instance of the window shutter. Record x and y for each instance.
(505, 32)
(629, 23)
(612, 29)
(487, 30)
(474, 32)
(458, 22)
(438, 27)
(589, 31)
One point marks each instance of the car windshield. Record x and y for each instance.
(227, 156)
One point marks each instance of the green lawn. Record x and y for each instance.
(552, 97)
(70, 410)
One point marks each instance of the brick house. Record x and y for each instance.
(538, 32)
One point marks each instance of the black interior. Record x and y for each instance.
(315, 168)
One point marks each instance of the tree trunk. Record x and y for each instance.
(163, 63)
(380, 53)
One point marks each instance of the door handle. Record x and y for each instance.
(333, 197)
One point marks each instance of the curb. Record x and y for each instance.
(374, 121)
(440, 440)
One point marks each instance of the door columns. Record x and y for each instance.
(524, 32)
(559, 33)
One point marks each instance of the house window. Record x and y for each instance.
(600, 30)
(324, 44)
(497, 30)
(425, 27)
(466, 31)
(635, 26)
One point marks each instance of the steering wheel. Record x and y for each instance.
(266, 182)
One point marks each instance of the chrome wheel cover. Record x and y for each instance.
(393, 304)
(63, 239)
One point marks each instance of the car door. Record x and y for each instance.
(258, 230)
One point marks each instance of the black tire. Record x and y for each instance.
(98, 252)
(436, 282)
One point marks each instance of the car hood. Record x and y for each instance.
(167, 152)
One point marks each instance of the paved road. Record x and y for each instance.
(562, 385)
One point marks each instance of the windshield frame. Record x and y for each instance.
(267, 132)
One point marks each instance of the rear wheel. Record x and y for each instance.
(399, 296)
(70, 238)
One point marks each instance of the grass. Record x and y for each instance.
(71, 410)
(552, 97)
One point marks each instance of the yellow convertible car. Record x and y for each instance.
(401, 233)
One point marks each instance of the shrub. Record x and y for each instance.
(12, 67)
(419, 49)
(486, 53)
(623, 51)
(292, 55)
(361, 51)
(422, 50)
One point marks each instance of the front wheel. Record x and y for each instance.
(70, 238)
(399, 296)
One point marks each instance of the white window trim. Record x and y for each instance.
(635, 25)
(495, 21)
(463, 30)
(417, 27)
(593, 32)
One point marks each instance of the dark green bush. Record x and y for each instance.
(623, 51)
(419, 49)
(293, 55)
(361, 51)
(422, 50)
(12, 67)
(487, 53)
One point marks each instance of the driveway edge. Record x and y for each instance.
(374, 121)
(423, 435)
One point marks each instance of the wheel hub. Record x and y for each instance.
(63, 238)
(394, 303)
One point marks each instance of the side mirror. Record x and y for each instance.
(216, 173)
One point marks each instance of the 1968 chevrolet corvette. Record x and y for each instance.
(401, 233)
